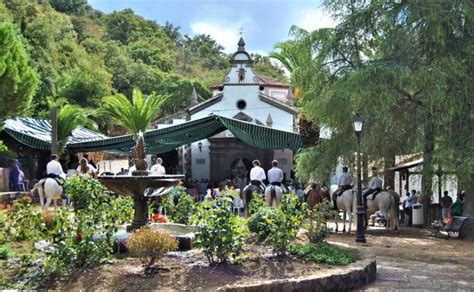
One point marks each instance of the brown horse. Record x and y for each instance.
(247, 194)
(317, 194)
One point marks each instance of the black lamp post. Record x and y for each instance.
(360, 236)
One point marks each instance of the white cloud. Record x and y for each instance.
(226, 35)
(313, 19)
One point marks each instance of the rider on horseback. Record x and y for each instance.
(55, 170)
(275, 176)
(257, 175)
(344, 182)
(375, 185)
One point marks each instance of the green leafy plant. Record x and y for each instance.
(150, 245)
(23, 221)
(261, 222)
(183, 210)
(317, 226)
(121, 209)
(84, 238)
(220, 233)
(84, 191)
(5, 252)
(285, 223)
(322, 253)
(256, 203)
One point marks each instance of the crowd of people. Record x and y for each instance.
(210, 189)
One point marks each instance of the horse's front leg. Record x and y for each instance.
(351, 217)
(48, 202)
(41, 197)
(344, 221)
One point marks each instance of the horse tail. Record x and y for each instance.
(396, 209)
(248, 195)
(272, 193)
(39, 187)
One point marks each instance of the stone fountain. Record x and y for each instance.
(140, 185)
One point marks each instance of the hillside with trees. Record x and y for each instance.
(80, 54)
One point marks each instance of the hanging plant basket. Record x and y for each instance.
(309, 133)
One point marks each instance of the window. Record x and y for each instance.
(241, 104)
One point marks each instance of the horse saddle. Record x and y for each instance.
(372, 196)
(58, 180)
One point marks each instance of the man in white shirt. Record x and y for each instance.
(158, 169)
(257, 175)
(54, 168)
(275, 176)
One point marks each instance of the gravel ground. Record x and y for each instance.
(414, 260)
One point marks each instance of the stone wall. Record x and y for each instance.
(354, 276)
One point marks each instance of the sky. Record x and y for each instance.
(264, 22)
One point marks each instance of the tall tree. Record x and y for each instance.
(18, 81)
(405, 66)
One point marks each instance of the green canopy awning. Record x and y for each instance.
(36, 134)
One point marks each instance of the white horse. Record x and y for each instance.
(273, 195)
(49, 188)
(347, 203)
(387, 202)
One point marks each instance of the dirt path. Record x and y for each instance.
(413, 260)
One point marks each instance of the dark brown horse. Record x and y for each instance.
(247, 194)
(317, 194)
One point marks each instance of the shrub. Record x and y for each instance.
(5, 252)
(285, 223)
(182, 210)
(84, 238)
(261, 222)
(23, 221)
(256, 203)
(84, 191)
(322, 253)
(317, 227)
(48, 219)
(150, 245)
(221, 234)
(121, 209)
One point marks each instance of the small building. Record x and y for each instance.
(243, 95)
(249, 97)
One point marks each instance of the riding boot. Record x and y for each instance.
(335, 204)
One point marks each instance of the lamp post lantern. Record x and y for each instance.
(360, 236)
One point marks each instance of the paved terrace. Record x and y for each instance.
(414, 260)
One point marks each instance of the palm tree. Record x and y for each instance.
(134, 116)
(69, 118)
(296, 52)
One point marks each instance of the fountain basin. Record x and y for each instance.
(140, 188)
(132, 185)
(185, 234)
